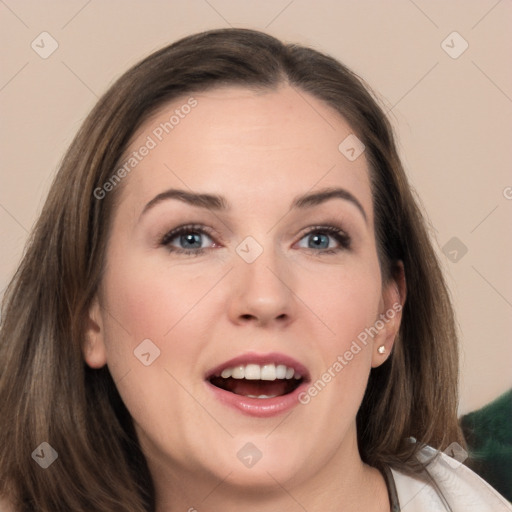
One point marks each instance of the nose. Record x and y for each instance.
(262, 292)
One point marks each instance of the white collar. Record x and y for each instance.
(446, 485)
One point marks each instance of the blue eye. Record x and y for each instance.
(193, 240)
(328, 239)
(318, 241)
(188, 240)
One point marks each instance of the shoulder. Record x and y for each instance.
(446, 484)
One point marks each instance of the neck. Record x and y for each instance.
(342, 483)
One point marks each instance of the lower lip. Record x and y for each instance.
(258, 407)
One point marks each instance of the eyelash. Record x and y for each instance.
(339, 235)
(182, 230)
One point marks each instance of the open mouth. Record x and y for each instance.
(258, 381)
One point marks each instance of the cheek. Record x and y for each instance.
(172, 309)
(150, 299)
(345, 299)
(147, 298)
(346, 302)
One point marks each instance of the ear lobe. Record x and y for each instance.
(390, 317)
(93, 348)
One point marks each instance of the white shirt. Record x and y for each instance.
(446, 486)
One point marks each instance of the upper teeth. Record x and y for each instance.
(260, 372)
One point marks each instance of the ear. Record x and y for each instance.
(94, 351)
(391, 305)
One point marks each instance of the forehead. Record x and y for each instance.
(250, 145)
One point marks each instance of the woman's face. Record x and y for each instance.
(242, 255)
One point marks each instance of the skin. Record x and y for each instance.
(259, 150)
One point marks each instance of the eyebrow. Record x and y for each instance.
(209, 201)
(219, 203)
(315, 198)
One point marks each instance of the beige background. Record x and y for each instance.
(452, 116)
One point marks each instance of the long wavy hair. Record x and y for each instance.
(48, 393)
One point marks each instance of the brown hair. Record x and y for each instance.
(49, 394)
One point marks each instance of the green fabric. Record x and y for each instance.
(488, 434)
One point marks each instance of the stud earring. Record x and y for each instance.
(381, 349)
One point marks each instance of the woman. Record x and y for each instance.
(230, 301)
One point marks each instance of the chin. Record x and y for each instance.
(259, 463)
